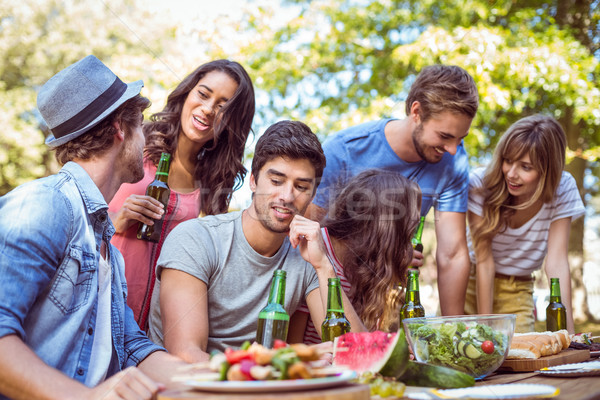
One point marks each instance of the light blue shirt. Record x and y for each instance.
(51, 231)
(444, 185)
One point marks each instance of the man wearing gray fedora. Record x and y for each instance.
(65, 328)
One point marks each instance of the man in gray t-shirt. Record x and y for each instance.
(214, 273)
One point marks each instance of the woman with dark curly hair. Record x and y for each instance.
(367, 234)
(204, 126)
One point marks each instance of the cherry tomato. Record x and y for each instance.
(235, 356)
(487, 347)
(279, 344)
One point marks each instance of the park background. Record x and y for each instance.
(331, 64)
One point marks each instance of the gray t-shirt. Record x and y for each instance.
(215, 250)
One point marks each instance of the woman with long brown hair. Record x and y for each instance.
(204, 126)
(367, 234)
(520, 212)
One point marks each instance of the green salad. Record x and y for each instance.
(475, 349)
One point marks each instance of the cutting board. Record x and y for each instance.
(567, 356)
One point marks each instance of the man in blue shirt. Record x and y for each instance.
(426, 147)
(65, 328)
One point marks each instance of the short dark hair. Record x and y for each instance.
(440, 88)
(97, 140)
(292, 140)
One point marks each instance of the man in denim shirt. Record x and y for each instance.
(65, 328)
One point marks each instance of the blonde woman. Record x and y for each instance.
(520, 212)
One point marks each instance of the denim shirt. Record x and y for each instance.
(51, 231)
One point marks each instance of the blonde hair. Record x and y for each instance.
(544, 140)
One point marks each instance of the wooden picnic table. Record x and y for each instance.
(571, 388)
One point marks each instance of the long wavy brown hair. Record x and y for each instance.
(544, 140)
(374, 216)
(219, 170)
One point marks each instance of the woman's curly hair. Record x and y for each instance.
(374, 216)
(219, 170)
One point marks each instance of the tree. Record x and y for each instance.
(39, 38)
(338, 63)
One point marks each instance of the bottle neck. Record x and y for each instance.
(277, 292)
(162, 172)
(554, 290)
(419, 232)
(334, 297)
(412, 289)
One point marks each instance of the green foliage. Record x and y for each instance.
(354, 60)
(39, 38)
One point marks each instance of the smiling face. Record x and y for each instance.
(202, 104)
(440, 134)
(521, 178)
(282, 189)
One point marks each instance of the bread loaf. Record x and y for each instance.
(536, 345)
(523, 349)
(544, 343)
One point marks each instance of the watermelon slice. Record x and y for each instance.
(376, 352)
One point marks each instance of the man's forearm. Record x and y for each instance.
(23, 375)
(453, 277)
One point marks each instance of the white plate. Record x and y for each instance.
(588, 368)
(504, 391)
(272, 386)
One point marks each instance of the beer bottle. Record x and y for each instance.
(335, 323)
(412, 307)
(417, 244)
(416, 240)
(273, 320)
(159, 190)
(556, 313)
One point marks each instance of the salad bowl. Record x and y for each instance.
(474, 344)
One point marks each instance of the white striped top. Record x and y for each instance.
(310, 334)
(521, 251)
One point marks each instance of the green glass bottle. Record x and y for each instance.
(556, 313)
(335, 323)
(412, 307)
(416, 240)
(273, 320)
(159, 190)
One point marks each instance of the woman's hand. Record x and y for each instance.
(137, 208)
(306, 233)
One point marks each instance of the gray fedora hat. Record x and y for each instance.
(79, 97)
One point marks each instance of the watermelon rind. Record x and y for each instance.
(397, 362)
(364, 352)
(429, 375)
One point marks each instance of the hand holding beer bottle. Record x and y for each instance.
(417, 244)
(157, 189)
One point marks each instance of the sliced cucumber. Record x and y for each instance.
(472, 352)
(461, 347)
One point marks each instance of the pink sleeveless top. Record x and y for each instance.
(140, 255)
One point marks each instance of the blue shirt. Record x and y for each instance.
(51, 231)
(444, 185)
